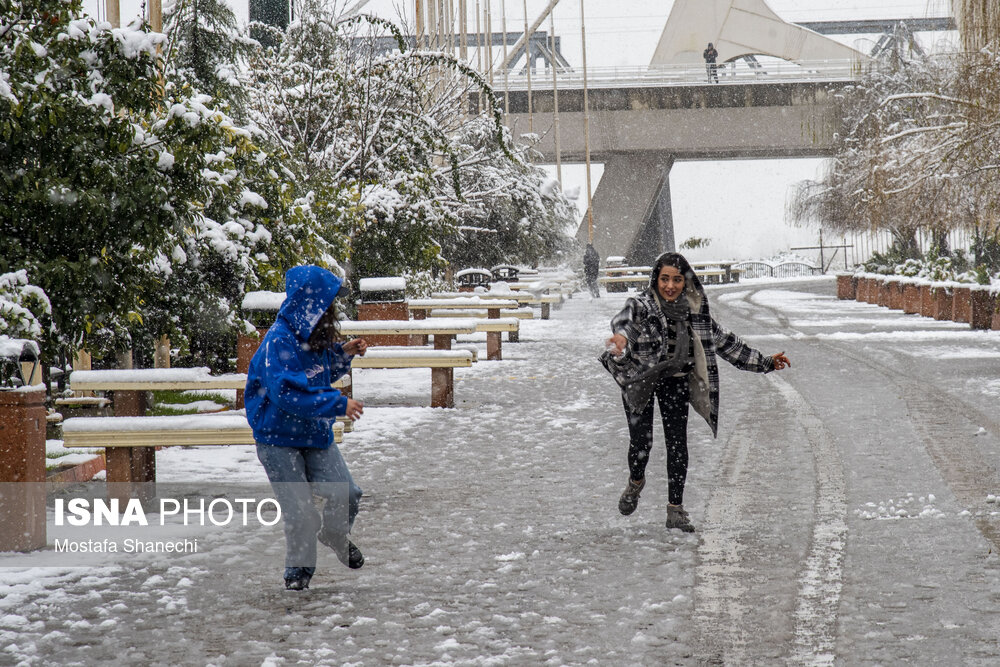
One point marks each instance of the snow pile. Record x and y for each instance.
(908, 507)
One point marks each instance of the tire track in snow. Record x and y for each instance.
(821, 581)
(936, 416)
(816, 595)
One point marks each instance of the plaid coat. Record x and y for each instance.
(640, 321)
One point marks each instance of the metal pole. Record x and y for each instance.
(489, 39)
(506, 91)
(418, 17)
(463, 19)
(450, 26)
(114, 13)
(586, 127)
(439, 16)
(822, 261)
(555, 95)
(156, 16)
(527, 64)
(479, 51)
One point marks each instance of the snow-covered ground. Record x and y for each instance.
(492, 535)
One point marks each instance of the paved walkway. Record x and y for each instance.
(842, 516)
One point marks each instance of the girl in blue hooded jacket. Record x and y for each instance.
(291, 407)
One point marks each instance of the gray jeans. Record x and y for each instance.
(297, 474)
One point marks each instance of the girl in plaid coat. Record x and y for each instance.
(665, 343)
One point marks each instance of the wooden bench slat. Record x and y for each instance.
(414, 362)
(152, 432)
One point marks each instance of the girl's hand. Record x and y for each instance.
(356, 346)
(780, 361)
(616, 344)
(355, 409)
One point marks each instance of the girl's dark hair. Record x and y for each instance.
(326, 331)
(679, 262)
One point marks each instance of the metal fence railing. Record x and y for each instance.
(687, 74)
(755, 269)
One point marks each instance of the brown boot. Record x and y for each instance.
(630, 496)
(678, 518)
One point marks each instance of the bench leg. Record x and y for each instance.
(130, 403)
(442, 387)
(131, 472)
(493, 351)
(348, 391)
(545, 311)
(513, 336)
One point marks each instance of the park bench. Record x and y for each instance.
(441, 362)
(716, 272)
(129, 386)
(422, 307)
(522, 299)
(507, 273)
(621, 283)
(444, 330)
(469, 279)
(130, 443)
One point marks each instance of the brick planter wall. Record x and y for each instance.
(895, 295)
(911, 298)
(385, 310)
(942, 297)
(22, 470)
(861, 293)
(847, 286)
(961, 305)
(246, 347)
(980, 309)
(871, 296)
(883, 291)
(927, 300)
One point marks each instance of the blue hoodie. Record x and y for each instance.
(289, 400)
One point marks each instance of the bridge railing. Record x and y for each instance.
(688, 74)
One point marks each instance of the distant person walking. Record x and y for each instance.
(665, 343)
(710, 55)
(591, 267)
(291, 408)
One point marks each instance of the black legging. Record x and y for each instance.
(672, 394)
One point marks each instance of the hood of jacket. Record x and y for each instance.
(309, 291)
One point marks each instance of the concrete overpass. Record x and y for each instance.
(639, 132)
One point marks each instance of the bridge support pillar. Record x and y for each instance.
(632, 210)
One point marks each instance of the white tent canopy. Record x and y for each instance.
(740, 28)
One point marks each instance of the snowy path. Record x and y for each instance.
(492, 535)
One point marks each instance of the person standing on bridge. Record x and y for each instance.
(664, 344)
(710, 55)
(291, 408)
